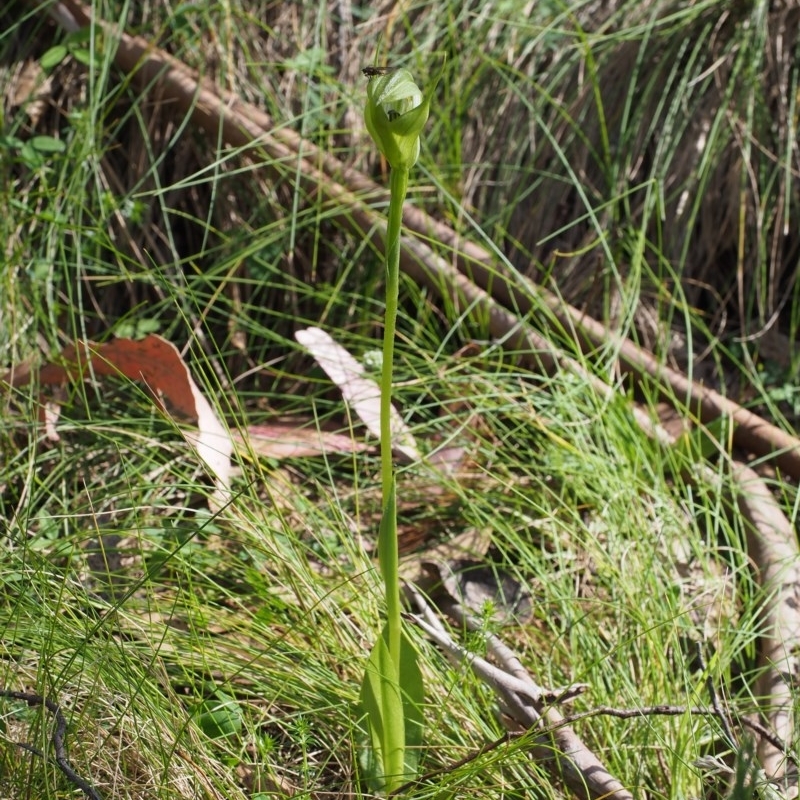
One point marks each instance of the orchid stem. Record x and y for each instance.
(388, 552)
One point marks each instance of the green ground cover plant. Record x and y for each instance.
(628, 159)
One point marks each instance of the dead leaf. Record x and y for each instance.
(31, 88)
(51, 413)
(287, 440)
(362, 394)
(473, 543)
(157, 363)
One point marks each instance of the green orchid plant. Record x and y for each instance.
(392, 691)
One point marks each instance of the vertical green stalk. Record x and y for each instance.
(387, 545)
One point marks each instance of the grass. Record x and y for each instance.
(218, 654)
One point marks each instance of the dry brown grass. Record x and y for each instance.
(705, 108)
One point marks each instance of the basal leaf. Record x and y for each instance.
(382, 760)
(393, 715)
(412, 691)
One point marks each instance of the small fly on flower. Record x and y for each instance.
(373, 72)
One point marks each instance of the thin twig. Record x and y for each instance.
(712, 692)
(481, 751)
(57, 738)
(677, 711)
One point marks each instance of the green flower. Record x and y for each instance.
(395, 114)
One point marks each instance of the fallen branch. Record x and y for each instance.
(772, 544)
(556, 746)
(679, 711)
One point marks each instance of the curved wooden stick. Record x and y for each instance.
(57, 738)
(772, 544)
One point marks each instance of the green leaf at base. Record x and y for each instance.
(392, 716)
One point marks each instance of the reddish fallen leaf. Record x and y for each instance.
(362, 394)
(286, 440)
(155, 362)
